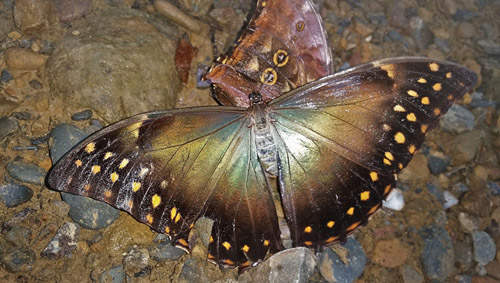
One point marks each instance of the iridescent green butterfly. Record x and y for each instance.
(335, 146)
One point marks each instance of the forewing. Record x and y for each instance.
(169, 168)
(343, 138)
(283, 47)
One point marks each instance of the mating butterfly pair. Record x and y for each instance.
(334, 142)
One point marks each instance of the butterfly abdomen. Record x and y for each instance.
(264, 141)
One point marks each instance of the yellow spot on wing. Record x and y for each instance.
(90, 147)
(411, 117)
(437, 111)
(330, 224)
(412, 93)
(389, 156)
(229, 262)
(437, 87)
(226, 245)
(422, 81)
(387, 162)
(269, 76)
(387, 189)
(389, 69)
(143, 172)
(276, 58)
(373, 209)
(266, 243)
(434, 67)
(136, 186)
(365, 195)
(308, 229)
(149, 218)
(173, 212)
(211, 239)
(374, 176)
(350, 211)
(78, 163)
(96, 169)
(412, 149)
(87, 187)
(183, 242)
(156, 200)
(424, 128)
(425, 100)
(308, 243)
(399, 137)
(177, 217)
(107, 193)
(114, 176)
(245, 248)
(124, 163)
(167, 230)
(448, 75)
(353, 226)
(331, 239)
(399, 108)
(108, 155)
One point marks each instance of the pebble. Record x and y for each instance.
(64, 137)
(478, 100)
(463, 278)
(442, 44)
(477, 202)
(395, 200)
(8, 125)
(47, 47)
(13, 195)
(449, 200)
(484, 247)
(26, 172)
(436, 191)
(63, 243)
(468, 223)
(438, 256)
(23, 59)
(494, 188)
(437, 162)
(464, 15)
(457, 120)
(18, 236)
(390, 253)
(89, 213)
(410, 275)
(6, 76)
(33, 16)
(82, 115)
(466, 30)
(115, 274)
(163, 250)
(464, 147)
(69, 10)
(334, 269)
(18, 260)
(421, 33)
(192, 272)
(463, 255)
(489, 47)
(291, 265)
(136, 260)
(459, 189)
(35, 84)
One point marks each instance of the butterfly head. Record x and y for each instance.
(255, 98)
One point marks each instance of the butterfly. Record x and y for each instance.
(284, 46)
(334, 146)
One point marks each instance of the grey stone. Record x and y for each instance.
(64, 137)
(410, 275)
(334, 269)
(26, 172)
(163, 250)
(421, 33)
(438, 256)
(63, 243)
(468, 223)
(459, 189)
(89, 213)
(494, 188)
(437, 162)
(457, 120)
(18, 236)
(192, 272)
(449, 200)
(489, 47)
(463, 255)
(82, 115)
(136, 259)
(121, 64)
(18, 260)
(292, 265)
(69, 10)
(6, 76)
(115, 274)
(464, 147)
(13, 195)
(484, 247)
(8, 125)
(436, 191)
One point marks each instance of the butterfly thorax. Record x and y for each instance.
(264, 141)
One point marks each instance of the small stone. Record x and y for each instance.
(495, 215)
(438, 256)
(63, 243)
(416, 171)
(493, 269)
(464, 147)
(13, 195)
(26, 172)
(390, 253)
(410, 275)
(394, 200)
(489, 47)
(463, 256)
(478, 100)
(115, 274)
(203, 227)
(35, 84)
(33, 16)
(18, 260)
(466, 30)
(82, 115)
(18, 236)
(437, 162)
(192, 272)
(459, 189)
(334, 269)
(477, 202)
(163, 250)
(69, 10)
(442, 44)
(64, 137)
(457, 120)
(449, 200)
(6, 76)
(291, 265)
(47, 47)
(136, 259)
(464, 279)
(468, 222)
(8, 125)
(494, 188)
(464, 15)
(484, 247)
(421, 33)
(436, 191)
(394, 35)
(23, 59)
(89, 213)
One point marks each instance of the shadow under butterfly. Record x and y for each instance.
(334, 145)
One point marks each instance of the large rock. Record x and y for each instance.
(118, 64)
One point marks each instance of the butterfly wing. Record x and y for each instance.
(169, 168)
(342, 139)
(283, 47)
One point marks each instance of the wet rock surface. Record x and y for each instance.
(69, 67)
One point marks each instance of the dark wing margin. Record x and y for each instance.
(343, 138)
(169, 168)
